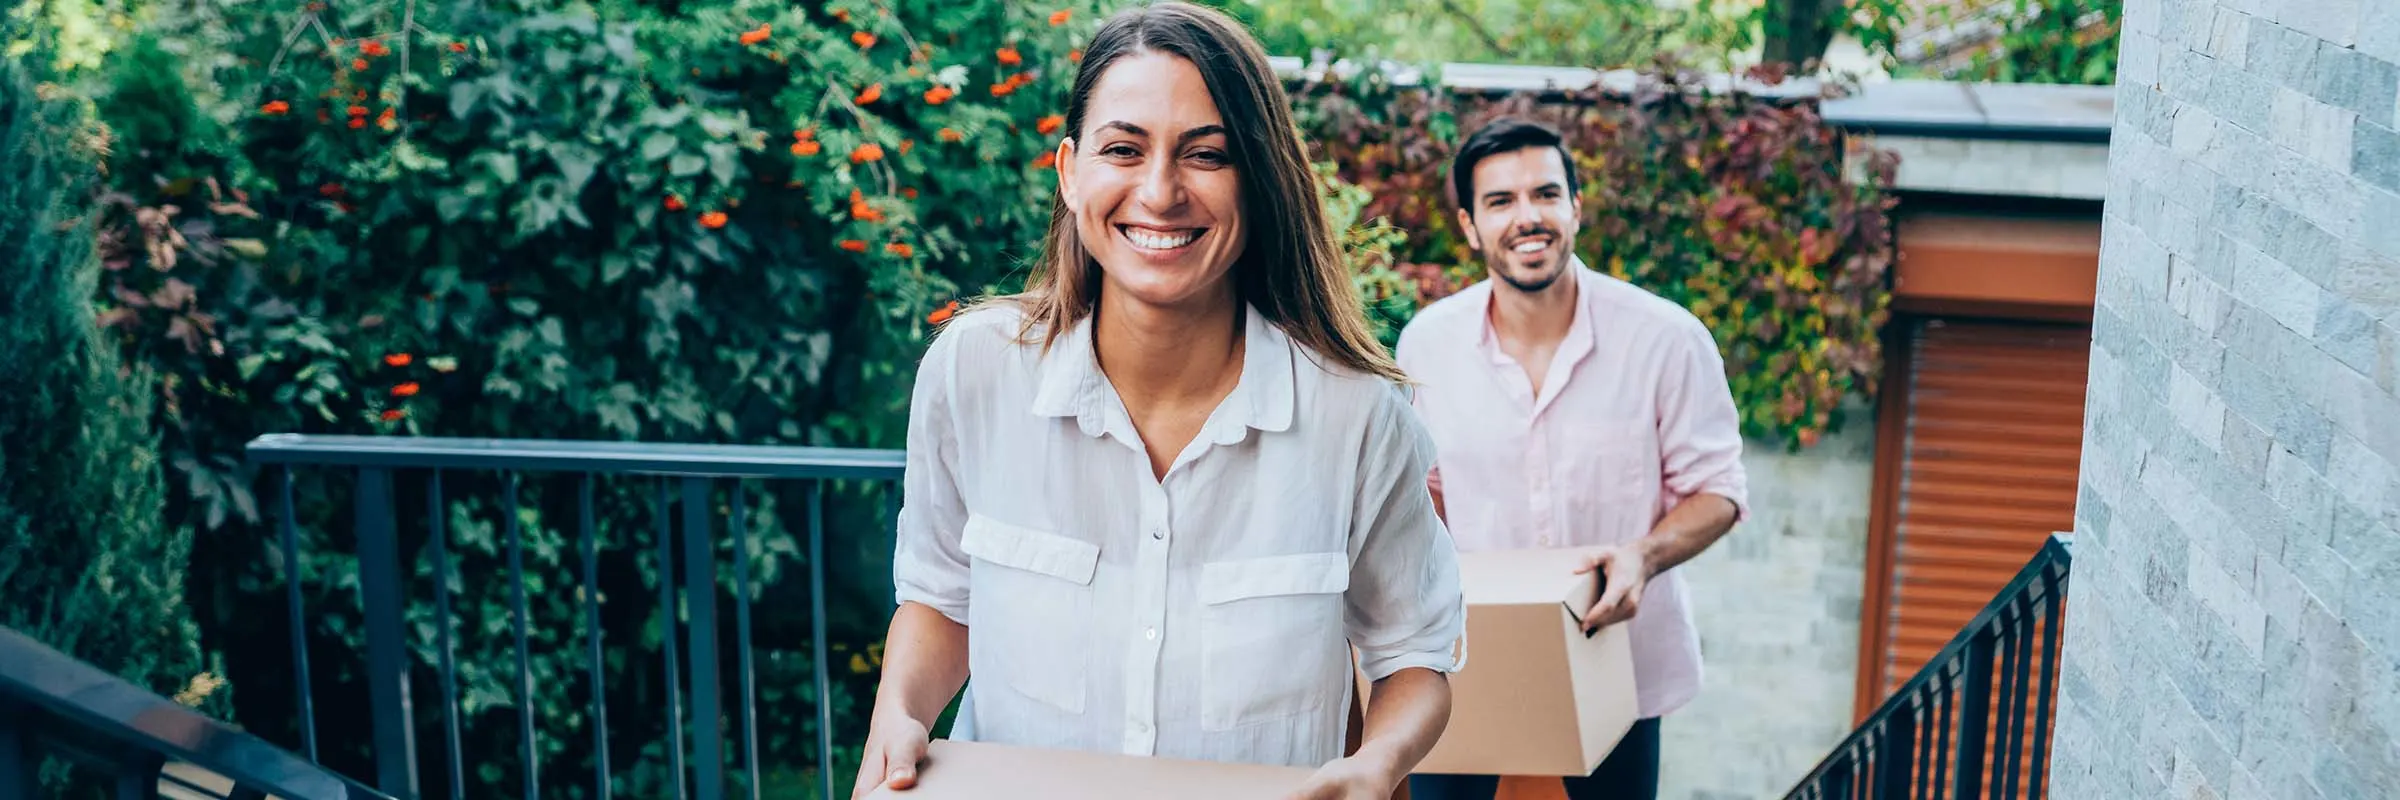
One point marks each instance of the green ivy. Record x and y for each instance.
(721, 221)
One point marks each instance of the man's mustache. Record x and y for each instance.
(1529, 233)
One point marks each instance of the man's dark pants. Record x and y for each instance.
(1629, 773)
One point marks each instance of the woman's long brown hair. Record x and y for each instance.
(1291, 270)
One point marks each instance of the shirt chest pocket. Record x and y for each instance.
(1272, 642)
(1617, 461)
(1029, 612)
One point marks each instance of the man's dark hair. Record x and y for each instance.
(1504, 135)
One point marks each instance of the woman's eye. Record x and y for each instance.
(1210, 157)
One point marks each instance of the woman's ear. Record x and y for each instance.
(1066, 172)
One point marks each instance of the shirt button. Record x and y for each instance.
(1158, 533)
(1150, 634)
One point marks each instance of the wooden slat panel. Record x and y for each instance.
(1994, 437)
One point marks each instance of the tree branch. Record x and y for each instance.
(1475, 26)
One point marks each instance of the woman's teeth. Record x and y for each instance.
(1148, 240)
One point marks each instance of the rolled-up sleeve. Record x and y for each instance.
(1700, 431)
(1404, 607)
(928, 566)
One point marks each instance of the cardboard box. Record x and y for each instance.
(1537, 696)
(955, 770)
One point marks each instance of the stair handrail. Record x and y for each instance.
(87, 715)
(1966, 666)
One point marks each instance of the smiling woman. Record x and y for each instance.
(1148, 124)
(1160, 207)
(1152, 502)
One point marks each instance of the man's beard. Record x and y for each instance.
(1534, 286)
(1498, 265)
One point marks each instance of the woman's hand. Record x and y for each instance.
(895, 747)
(1410, 710)
(1348, 779)
(924, 664)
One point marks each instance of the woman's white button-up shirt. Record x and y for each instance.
(1211, 615)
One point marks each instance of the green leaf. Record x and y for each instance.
(463, 97)
(685, 165)
(576, 163)
(414, 159)
(503, 167)
(667, 117)
(658, 145)
(723, 159)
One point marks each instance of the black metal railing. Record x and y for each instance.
(138, 743)
(689, 483)
(1975, 722)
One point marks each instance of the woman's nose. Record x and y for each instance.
(1161, 187)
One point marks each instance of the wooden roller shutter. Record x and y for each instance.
(1989, 419)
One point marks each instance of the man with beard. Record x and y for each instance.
(1572, 409)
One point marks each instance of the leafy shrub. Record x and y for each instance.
(2007, 41)
(1602, 32)
(88, 563)
(718, 221)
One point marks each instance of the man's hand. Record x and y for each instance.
(1625, 572)
(895, 746)
(1347, 779)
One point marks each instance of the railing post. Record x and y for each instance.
(137, 776)
(700, 600)
(816, 626)
(19, 775)
(527, 747)
(290, 530)
(1974, 716)
(387, 653)
(1896, 754)
(2054, 580)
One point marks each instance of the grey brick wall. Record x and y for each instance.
(1777, 605)
(2235, 625)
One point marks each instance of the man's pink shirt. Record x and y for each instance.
(1634, 416)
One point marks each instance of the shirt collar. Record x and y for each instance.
(1072, 385)
(1579, 338)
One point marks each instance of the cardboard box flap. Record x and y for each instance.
(1526, 577)
(955, 770)
(1541, 696)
